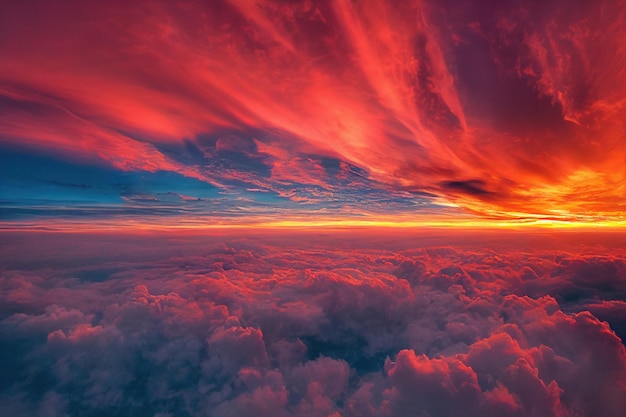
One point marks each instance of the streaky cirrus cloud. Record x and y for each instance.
(342, 324)
(508, 110)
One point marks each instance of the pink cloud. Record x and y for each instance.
(328, 324)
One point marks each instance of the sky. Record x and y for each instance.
(300, 208)
(339, 112)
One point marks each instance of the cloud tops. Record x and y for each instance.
(312, 324)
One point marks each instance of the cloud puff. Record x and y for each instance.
(314, 325)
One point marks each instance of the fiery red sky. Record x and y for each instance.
(313, 208)
(239, 112)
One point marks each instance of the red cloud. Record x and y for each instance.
(506, 117)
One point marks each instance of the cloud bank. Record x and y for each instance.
(313, 324)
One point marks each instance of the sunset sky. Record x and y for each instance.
(312, 208)
(312, 112)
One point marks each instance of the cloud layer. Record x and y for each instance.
(513, 110)
(319, 324)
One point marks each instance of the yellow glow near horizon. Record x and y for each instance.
(199, 224)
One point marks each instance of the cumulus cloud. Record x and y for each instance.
(326, 325)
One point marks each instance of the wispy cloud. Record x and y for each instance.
(507, 111)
